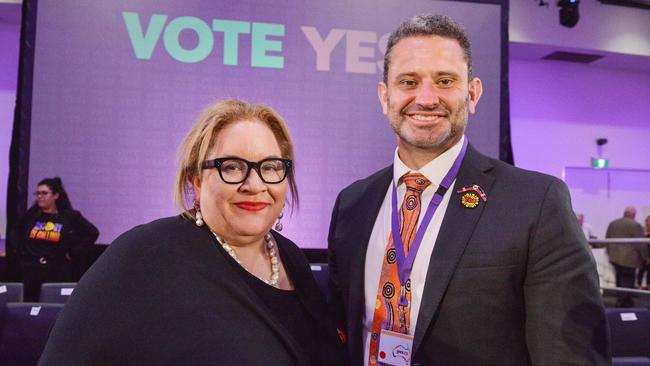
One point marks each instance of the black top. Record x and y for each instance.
(39, 234)
(165, 293)
(287, 308)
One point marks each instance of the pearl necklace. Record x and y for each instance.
(273, 257)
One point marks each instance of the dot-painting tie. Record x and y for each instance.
(388, 314)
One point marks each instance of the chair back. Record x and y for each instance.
(57, 293)
(630, 331)
(24, 331)
(10, 292)
(320, 271)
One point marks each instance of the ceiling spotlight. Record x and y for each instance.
(569, 14)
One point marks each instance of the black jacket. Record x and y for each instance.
(164, 293)
(509, 282)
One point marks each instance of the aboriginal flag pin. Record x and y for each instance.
(471, 194)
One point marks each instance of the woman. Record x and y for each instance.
(213, 286)
(48, 236)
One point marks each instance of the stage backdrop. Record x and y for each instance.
(117, 84)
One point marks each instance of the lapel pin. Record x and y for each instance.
(470, 199)
(342, 335)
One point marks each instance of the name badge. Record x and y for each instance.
(395, 348)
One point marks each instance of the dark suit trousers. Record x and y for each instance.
(625, 277)
(643, 270)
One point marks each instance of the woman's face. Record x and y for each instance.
(245, 211)
(45, 198)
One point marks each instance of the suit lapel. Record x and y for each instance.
(359, 229)
(457, 228)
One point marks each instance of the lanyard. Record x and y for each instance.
(405, 263)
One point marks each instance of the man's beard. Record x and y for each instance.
(453, 129)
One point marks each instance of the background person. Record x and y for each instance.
(214, 285)
(644, 269)
(626, 258)
(48, 237)
(605, 270)
(586, 227)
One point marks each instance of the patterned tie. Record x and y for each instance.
(388, 315)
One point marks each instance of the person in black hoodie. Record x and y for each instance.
(48, 236)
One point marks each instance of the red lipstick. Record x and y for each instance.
(251, 206)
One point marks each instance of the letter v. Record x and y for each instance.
(143, 43)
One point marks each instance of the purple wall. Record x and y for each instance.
(559, 109)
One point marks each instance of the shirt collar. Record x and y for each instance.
(434, 171)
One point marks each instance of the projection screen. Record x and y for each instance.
(117, 84)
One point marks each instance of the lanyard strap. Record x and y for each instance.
(405, 263)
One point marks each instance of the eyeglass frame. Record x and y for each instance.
(216, 163)
(42, 193)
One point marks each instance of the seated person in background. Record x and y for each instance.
(48, 236)
(214, 285)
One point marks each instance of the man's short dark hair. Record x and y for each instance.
(430, 25)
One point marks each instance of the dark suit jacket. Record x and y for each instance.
(510, 282)
(626, 255)
(166, 293)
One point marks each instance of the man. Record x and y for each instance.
(502, 276)
(587, 229)
(626, 258)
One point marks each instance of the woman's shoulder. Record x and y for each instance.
(283, 240)
(156, 228)
(139, 253)
(288, 247)
(71, 214)
(29, 215)
(147, 239)
(295, 261)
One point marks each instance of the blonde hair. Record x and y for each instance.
(202, 136)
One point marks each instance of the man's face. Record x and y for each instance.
(427, 97)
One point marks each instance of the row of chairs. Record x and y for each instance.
(25, 326)
(630, 336)
(57, 293)
(24, 330)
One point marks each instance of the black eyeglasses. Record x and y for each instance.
(236, 170)
(41, 193)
